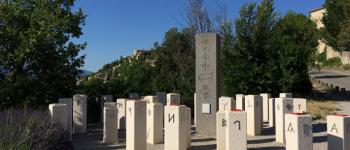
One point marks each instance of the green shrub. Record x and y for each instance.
(346, 67)
(333, 62)
(31, 129)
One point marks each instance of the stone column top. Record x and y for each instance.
(237, 110)
(298, 114)
(340, 115)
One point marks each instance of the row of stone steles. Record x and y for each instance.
(293, 126)
(147, 120)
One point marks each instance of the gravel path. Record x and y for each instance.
(92, 140)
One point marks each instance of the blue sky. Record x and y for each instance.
(115, 28)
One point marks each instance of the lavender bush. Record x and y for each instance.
(31, 129)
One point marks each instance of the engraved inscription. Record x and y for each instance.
(239, 124)
(334, 128)
(223, 123)
(171, 118)
(290, 128)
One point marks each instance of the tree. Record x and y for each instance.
(335, 23)
(295, 40)
(38, 60)
(175, 64)
(197, 17)
(251, 49)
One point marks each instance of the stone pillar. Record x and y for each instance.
(172, 99)
(207, 82)
(105, 99)
(299, 105)
(221, 126)
(79, 113)
(110, 125)
(271, 112)
(338, 129)
(298, 130)
(282, 107)
(236, 131)
(226, 103)
(175, 127)
(121, 105)
(161, 96)
(253, 108)
(240, 102)
(69, 103)
(136, 125)
(265, 103)
(286, 95)
(155, 114)
(58, 114)
(188, 126)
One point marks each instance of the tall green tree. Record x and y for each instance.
(38, 60)
(252, 49)
(336, 24)
(294, 41)
(174, 64)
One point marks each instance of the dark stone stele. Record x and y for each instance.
(207, 82)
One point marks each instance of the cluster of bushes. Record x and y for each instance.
(31, 129)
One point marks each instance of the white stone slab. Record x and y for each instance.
(286, 95)
(338, 129)
(265, 103)
(272, 112)
(221, 125)
(236, 131)
(253, 107)
(151, 99)
(226, 103)
(155, 115)
(172, 99)
(299, 105)
(121, 105)
(69, 103)
(175, 128)
(79, 113)
(282, 107)
(58, 114)
(105, 99)
(136, 125)
(298, 129)
(240, 102)
(110, 125)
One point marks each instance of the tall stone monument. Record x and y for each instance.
(155, 115)
(207, 82)
(265, 103)
(110, 125)
(240, 102)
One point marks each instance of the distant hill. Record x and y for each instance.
(84, 73)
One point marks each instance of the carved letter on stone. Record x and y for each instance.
(334, 127)
(239, 124)
(290, 128)
(223, 122)
(171, 118)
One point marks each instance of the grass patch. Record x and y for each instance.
(319, 110)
